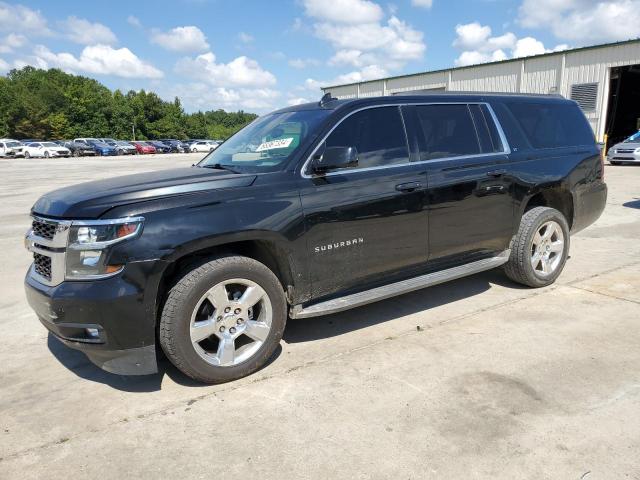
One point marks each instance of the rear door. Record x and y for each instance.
(471, 209)
(368, 223)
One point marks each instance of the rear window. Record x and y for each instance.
(552, 125)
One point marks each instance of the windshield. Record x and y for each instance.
(50, 144)
(13, 144)
(633, 138)
(266, 143)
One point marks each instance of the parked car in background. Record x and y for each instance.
(45, 149)
(102, 148)
(160, 147)
(203, 146)
(177, 146)
(143, 147)
(626, 151)
(86, 140)
(79, 149)
(11, 148)
(123, 147)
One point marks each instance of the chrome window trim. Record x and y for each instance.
(505, 144)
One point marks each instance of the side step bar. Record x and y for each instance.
(387, 291)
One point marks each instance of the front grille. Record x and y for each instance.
(44, 229)
(624, 150)
(42, 265)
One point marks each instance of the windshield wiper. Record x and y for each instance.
(219, 166)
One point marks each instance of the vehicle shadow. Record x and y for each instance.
(297, 331)
(315, 328)
(80, 365)
(632, 204)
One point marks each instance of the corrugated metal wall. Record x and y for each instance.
(543, 74)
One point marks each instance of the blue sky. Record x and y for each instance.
(259, 55)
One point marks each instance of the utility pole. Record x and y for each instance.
(133, 127)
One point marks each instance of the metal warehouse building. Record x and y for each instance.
(603, 79)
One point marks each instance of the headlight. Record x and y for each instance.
(89, 244)
(637, 150)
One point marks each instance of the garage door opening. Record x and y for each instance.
(623, 114)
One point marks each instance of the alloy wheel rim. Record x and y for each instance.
(231, 322)
(547, 248)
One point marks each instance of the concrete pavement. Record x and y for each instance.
(478, 378)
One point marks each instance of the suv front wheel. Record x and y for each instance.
(224, 319)
(540, 248)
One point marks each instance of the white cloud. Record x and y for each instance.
(98, 60)
(297, 101)
(201, 96)
(18, 18)
(134, 21)
(480, 47)
(11, 42)
(301, 63)
(245, 37)
(84, 32)
(344, 11)
(583, 21)
(181, 39)
(422, 3)
(240, 72)
(4, 66)
(370, 72)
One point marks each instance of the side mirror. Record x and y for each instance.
(334, 158)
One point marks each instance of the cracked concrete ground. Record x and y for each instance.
(498, 381)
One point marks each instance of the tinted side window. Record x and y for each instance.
(552, 125)
(447, 130)
(378, 135)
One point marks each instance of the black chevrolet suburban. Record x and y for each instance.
(310, 210)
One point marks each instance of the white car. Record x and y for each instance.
(10, 148)
(203, 146)
(45, 149)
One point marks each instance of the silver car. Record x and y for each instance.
(627, 151)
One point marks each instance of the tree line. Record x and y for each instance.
(52, 104)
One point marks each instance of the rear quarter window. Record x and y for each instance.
(552, 125)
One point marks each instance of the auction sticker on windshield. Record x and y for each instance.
(273, 144)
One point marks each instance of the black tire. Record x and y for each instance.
(519, 267)
(46, 154)
(120, 152)
(27, 155)
(182, 300)
(76, 153)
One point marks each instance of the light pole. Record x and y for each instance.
(133, 128)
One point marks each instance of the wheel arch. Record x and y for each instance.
(265, 249)
(557, 197)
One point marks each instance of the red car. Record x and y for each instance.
(143, 147)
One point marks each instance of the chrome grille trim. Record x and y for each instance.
(48, 238)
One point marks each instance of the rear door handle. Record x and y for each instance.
(496, 173)
(408, 187)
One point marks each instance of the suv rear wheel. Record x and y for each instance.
(224, 319)
(540, 248)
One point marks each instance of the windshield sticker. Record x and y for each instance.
(273, 144)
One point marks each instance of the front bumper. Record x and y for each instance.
(122, 309)
(627, 156)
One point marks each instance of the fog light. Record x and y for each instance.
(92, 332)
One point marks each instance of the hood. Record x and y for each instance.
(627, 145)
(92, 199)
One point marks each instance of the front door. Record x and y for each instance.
(367, 223)
(471, 206)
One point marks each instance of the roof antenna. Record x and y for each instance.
(326, 98)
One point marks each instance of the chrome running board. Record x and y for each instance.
(387, 291)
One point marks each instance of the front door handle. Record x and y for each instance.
(496, 173)
(408, 187)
